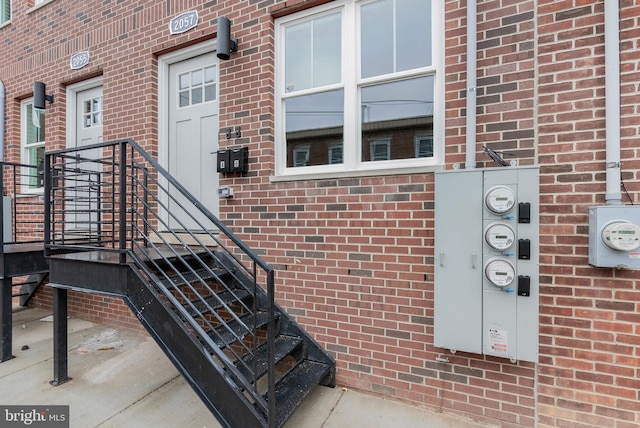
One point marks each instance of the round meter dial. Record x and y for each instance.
(500, 199)
(499, 236)
(499, 272)
(621, 236)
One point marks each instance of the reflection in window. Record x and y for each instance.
(316, 120)
(197, 86)
(400, 109)
(335, 153)
(380, 150)
(424, 146)
(301, 156)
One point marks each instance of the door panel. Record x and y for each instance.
(83, 213)
(193, 134)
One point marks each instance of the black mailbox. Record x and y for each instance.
(223, 161)
(239, 159)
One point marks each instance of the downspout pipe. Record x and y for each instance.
(613, 194)
(470, 161)
(2, 97)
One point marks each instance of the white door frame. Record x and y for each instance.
(72, 95)
(164, 62)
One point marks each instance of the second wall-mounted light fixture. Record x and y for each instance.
(40, 96)
(226, 44)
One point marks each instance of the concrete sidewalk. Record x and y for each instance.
(122, 379)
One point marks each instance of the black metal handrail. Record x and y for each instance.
(23, 186)
(114, 196)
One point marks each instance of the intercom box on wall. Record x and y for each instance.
(233, 160)
(486, 261)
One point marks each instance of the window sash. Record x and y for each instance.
(351, 84)
(32, 141)
(5, 11)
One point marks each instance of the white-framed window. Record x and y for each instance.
(32, 137)
(424, 146)
(92, 112)
(335, 153)
(380, 150)
(360, 72)
(301, 156)
(5, 11)
(197, 86)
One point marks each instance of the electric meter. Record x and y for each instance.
(499, 236)
(499, 272)
(500, 199)
(621, 235)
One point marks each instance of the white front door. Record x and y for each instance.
(85, 110)
(192, 136)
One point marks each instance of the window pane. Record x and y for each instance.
(184, 98)
(196, 78)
(396, 112)
(183, 81)
(196, 96)
(326, 50)
(209, 74)
(210, 93)
(377, 38)
(34, 125)
(395, 36)
(313, 53)
(317, 122)
(413, 35)
(35, 157)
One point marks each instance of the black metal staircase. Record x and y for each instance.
(131, 230)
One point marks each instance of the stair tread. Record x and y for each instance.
(191, 277)
(283, 346)
(213, 302)
(294, 387)
(237, 331)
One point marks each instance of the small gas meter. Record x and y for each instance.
(500, 199)
(499, 236)
(499, 272)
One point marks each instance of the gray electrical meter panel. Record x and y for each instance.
(486, 261)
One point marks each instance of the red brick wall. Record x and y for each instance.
(590, 321)
(354, 256)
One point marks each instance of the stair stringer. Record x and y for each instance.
(214, 387)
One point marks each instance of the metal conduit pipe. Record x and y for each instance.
(471, 84)
(613, 194)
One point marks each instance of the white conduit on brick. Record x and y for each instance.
(1, 121)
(470, 161)
(612, 100)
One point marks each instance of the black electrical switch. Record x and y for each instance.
(524, 285)
(524, 249)
(524, 212)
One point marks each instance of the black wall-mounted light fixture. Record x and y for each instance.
(40, 95)
(226, 44)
